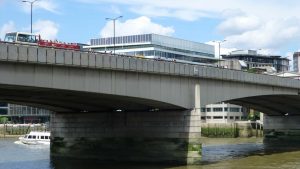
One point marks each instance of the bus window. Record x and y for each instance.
(32, 38)
(10, 37)
(27, 38)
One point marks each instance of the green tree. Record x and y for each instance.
(254, 115)
(3, 120)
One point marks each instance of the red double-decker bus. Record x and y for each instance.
(32, 39)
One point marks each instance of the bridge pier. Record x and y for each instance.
(151, 137)
(282, 127)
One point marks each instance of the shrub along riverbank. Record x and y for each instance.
(232, 130)
(7, 130)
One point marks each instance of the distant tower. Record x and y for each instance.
(296, 62)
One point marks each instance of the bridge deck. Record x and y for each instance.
(40, 55)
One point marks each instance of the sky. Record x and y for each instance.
(270, 26)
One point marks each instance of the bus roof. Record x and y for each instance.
(24, 33)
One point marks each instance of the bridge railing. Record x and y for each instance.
(49, 56)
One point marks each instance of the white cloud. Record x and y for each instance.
(239, 24)
(209, 8)
(139, 25)
(248, 24)
(153, 11)
(150, 11)
(8, 27)
(47, 29)
(48, 5)
(190, 15)
(271, 34)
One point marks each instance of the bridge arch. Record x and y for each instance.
(272, 105)
(216, 91)
(58, 100)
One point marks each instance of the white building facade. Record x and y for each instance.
(154, 46)
(223, 113)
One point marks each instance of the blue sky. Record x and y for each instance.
(273, 25)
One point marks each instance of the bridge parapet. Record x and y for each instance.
(40, 55)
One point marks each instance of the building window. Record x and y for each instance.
(208, 117)
(237, 117)
(208, 109)
(134, 39)
(231, 117)
(3, 111)
(149, 53)
(234, 109)
(130, 39)
(143, 38)
(119, 40)
(203, 109)
(218, 109)
(225, 108)
(218, 117)
(203, 118)
(149, 37)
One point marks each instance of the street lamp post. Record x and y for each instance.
(219, 42)
(31, 4)
(114, 25)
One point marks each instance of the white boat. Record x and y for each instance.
(36, 138)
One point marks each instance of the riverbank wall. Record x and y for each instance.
(243, 129)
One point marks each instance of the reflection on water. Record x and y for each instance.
(14, 155)
(217, 153)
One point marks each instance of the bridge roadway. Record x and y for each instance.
(122, 108)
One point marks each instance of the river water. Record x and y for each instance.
(217, 154)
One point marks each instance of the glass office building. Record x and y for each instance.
(3, 109)
(156, 47)
(24, 114)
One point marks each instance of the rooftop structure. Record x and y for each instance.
(255, 60)
(233, 64)
(157, 47)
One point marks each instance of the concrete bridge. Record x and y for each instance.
(127, 109)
